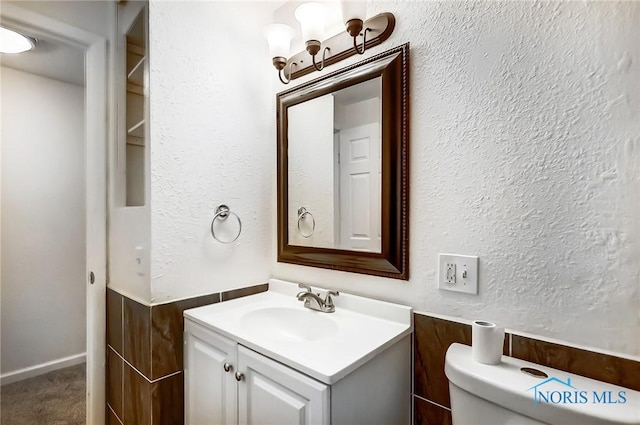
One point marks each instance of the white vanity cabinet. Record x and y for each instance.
(266, 359)
(226, 383)
(210, 392)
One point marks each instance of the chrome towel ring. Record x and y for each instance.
(302, 213)
(222, 213)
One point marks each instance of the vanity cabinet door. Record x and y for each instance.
(211, 391)
(270, 393)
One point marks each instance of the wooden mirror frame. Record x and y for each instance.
(393, 260)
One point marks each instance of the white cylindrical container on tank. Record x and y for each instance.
(487, 341)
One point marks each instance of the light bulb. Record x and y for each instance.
(353, 15)
(279, 38)
(312, 18)
(353, 9)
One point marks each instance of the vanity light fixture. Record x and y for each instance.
(334, 49)
(14, 42)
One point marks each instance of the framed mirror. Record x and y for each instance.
(343, 167)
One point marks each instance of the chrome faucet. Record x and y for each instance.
(315, 302)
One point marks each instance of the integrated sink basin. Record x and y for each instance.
(291, 324)
(325, 346)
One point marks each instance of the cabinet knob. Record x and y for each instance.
(227, 367)
(239, 376)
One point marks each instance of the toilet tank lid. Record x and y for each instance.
(560, 398)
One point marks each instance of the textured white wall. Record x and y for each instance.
(525, 145)
(211, 143)
(43, 220)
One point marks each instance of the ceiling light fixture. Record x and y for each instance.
(14, 42)
(311, 17)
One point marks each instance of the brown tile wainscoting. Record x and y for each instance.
(432, 337)
(144, 357)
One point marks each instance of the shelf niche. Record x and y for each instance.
(136, 111)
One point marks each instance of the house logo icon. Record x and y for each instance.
(540, 395)
(556, 391)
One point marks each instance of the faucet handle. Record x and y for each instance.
(307, 290)
(328, 301)
(303, 286)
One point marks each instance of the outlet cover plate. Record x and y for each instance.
(465, 268)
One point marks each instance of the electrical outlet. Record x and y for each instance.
(458, 273)
(450, 273)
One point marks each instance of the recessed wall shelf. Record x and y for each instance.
(137, 131)
(136, 75)
(135, 89)
(135, 141)
(136, 109)
(137, 49)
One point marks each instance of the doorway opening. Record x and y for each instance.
(53, 167)
(44, 318)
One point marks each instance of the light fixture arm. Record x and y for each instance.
(283, 80)
(364, 42)
(324, 56)
(282, 75)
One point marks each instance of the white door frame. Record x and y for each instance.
(96, 133)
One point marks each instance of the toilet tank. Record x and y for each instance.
(506, 394)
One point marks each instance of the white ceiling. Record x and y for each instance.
(51, 58)
(369, 89)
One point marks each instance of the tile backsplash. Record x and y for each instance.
(144, 357)
(144, 360)
(433, 335)
(166, 334)
(607, 368)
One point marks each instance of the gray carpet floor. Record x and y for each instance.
(55, 398)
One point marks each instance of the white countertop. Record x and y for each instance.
(363, 328)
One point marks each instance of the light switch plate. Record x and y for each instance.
(139, 259)
(458, 273)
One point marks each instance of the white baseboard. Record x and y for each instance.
(31, 371)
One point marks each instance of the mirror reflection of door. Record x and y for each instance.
(335, 165)
(359, 196)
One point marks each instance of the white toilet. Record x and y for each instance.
(505, 394)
